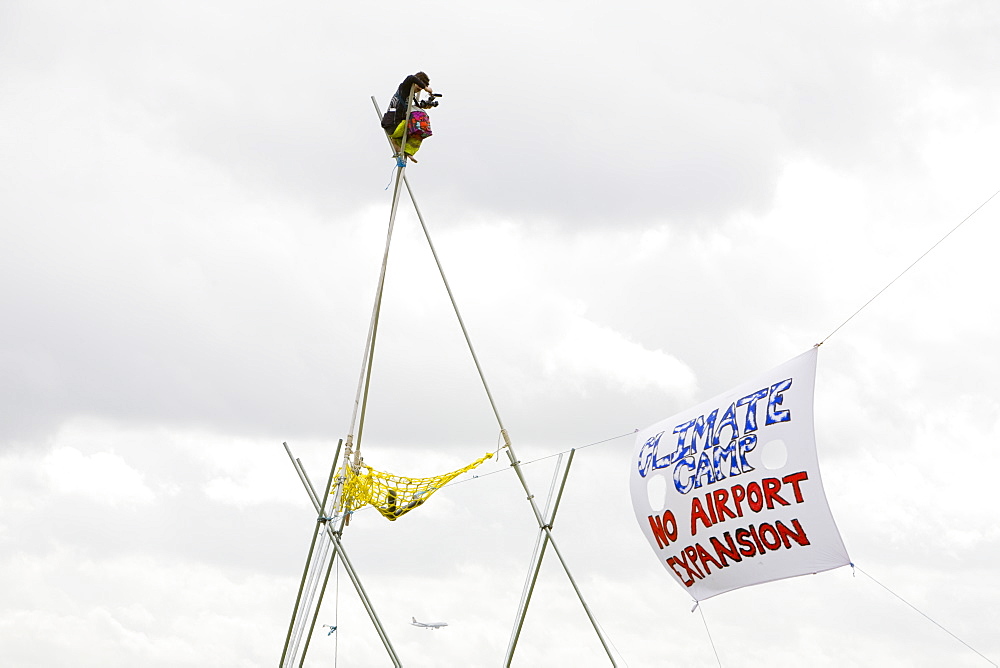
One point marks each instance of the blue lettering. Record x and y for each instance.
(683, 449)
(728, 420)
(647, 456)
(723, 455)
(751, 403)
(688, 484)
(747, 443)
(647, 453)
(705, 470)
(703, 428)
(774, 415)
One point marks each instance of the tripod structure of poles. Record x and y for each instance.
(327, 544)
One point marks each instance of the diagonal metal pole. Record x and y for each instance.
(507, 444)
(334, 536)
(545, 537)
(338, 551)
(454, 304)
(357, 425)
(537, 555)
(555, 548)
(364, 382)
(356, 581)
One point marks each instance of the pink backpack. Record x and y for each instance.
(420, 125)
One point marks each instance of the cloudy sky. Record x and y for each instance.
(638, 205)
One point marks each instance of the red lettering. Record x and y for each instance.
(698, 513)
(756, 539)
(747, 548)
(756, 504)
(665, 529)
(672, 561)
(771, 487)
(711, 508)
(720, 496)
(794, 479)
(704, 556)
(670, 525)
(656, 524)
(725, 550)
(766, 530)
(739, 494)
(799, 535)
(692, 557)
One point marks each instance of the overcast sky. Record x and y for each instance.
(639, 205)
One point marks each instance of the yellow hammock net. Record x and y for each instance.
(393, 495)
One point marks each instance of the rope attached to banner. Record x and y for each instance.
(710, 640)
(923, 614)
(913, 264)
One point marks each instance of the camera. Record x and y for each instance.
(429, 102)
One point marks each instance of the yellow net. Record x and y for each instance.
(393, 495)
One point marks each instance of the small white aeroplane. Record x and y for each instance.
(427, 625)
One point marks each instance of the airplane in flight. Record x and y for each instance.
(427, 625)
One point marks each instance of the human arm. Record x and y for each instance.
(411, 81)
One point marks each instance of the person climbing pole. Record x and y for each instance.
(394, 120)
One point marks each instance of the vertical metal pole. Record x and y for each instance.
(298, 598)
(406, 125)
(309, 558)
(321, 520)
(309, 598)
(319, 605)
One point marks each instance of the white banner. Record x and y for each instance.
(728, 493)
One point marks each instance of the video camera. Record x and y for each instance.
(429, 102)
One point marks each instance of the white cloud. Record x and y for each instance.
(587, 352)
(102, 476)
(635, 204)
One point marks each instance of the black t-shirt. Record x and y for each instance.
(397, 105)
